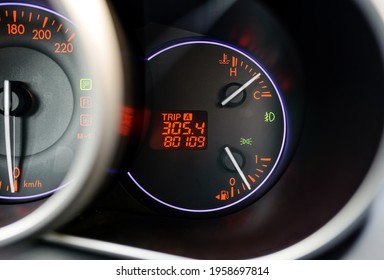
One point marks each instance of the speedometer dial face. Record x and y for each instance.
(217, 129)
(45, 101)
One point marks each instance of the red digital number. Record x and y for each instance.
(200, 127)
(187, 129)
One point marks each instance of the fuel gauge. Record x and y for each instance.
(217, 132)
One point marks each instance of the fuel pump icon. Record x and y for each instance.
(223, 195)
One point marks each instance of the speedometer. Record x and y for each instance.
(63, 117)
(46, 101)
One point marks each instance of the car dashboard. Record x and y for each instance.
(200, 129)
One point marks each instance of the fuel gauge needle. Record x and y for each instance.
(237, 167)
(239, 90)
(7, 127)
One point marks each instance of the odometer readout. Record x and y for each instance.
(179, 130)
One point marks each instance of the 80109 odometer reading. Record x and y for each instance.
(180, 130)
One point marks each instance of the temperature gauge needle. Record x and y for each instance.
(239, 90)
(7, 128)
(237, 167)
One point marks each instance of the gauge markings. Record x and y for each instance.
(251, 178)
(45, 21)
(71, 37)
(18, 26)
(266, 94)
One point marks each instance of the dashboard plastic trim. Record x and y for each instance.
(107, 248)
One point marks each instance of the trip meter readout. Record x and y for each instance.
(182, 165)
(180, 130)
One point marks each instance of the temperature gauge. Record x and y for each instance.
(217, 132)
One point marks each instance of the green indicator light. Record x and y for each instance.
(245, 141)
(269, 117)
(85, 84)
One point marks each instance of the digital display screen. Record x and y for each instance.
(179, 130)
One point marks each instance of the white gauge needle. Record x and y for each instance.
(7, 128)
(238, 169)
(240, 89)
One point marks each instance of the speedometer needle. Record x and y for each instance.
(7, 128)
(237, 167)
(240, 89)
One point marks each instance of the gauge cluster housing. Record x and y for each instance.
(326, 59)
(330, 73)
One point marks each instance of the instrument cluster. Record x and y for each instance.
(240, 129)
